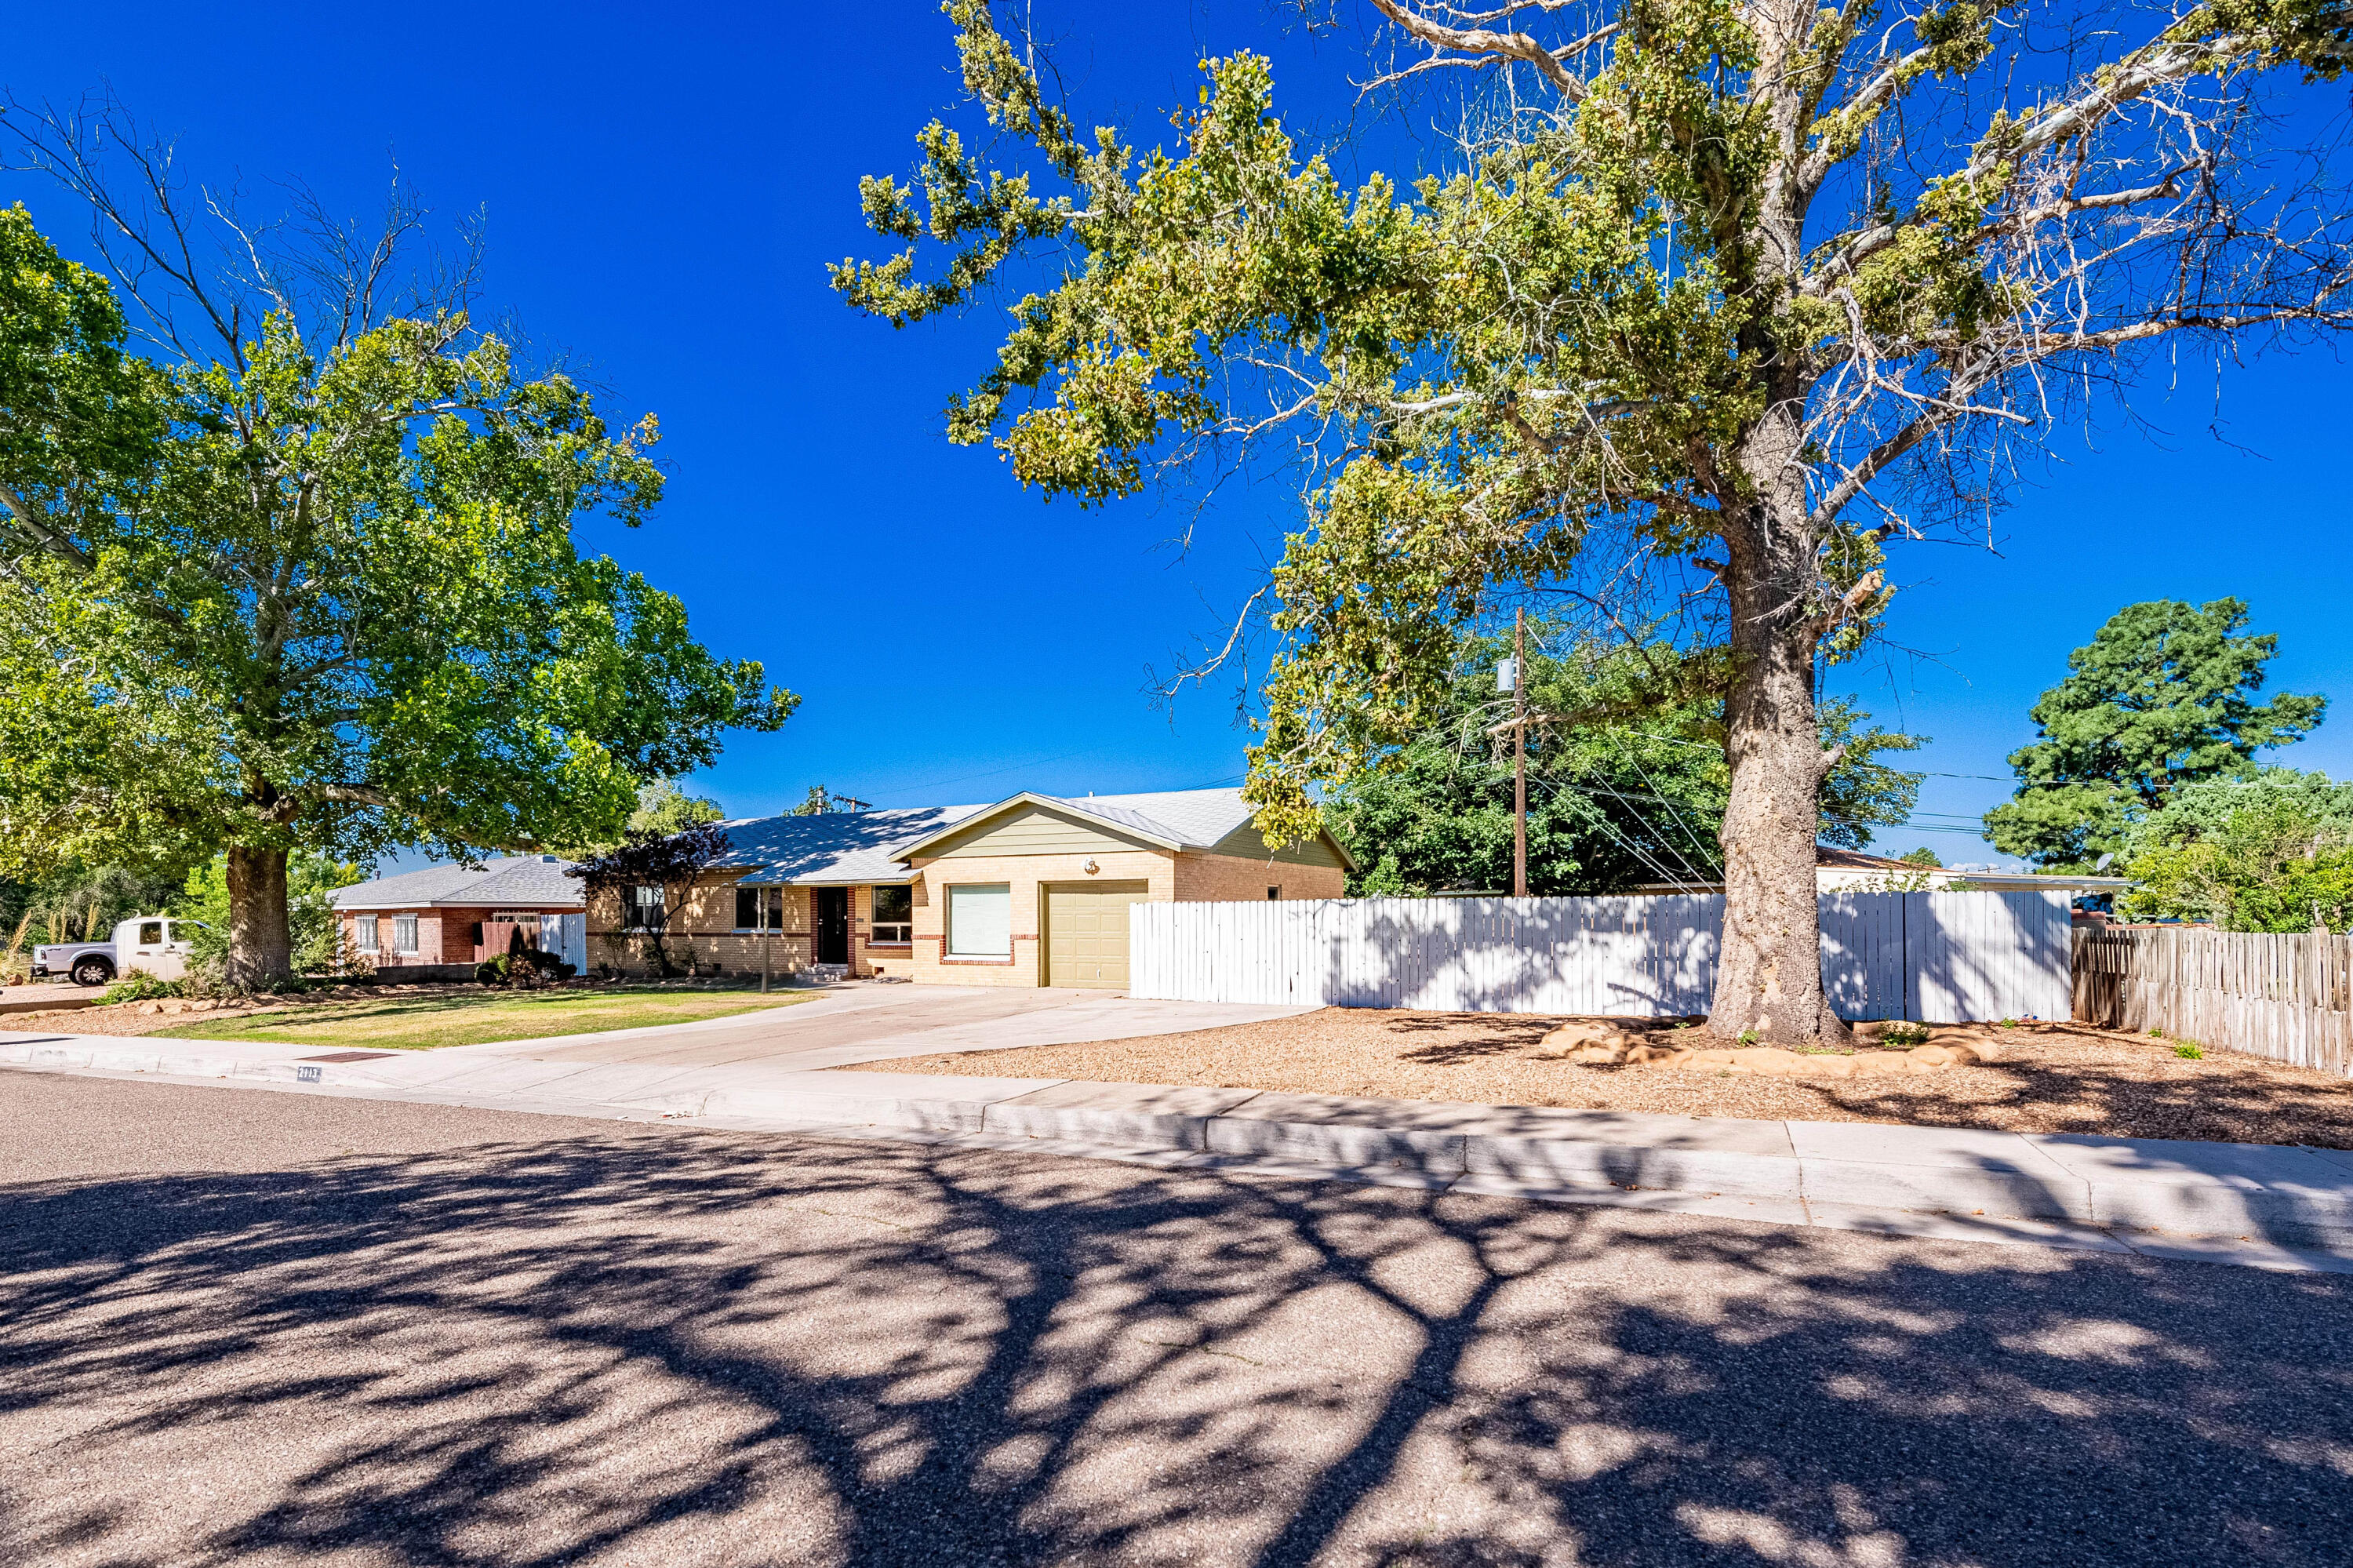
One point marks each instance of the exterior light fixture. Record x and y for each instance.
(1089, 865)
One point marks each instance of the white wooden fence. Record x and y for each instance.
(1935, 957)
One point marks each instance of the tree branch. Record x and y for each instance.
(1496, 46)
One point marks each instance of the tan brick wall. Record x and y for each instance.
(1027, 873)
(706, 922)
(1224, 879)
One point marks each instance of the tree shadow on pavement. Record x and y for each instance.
(681, 1348)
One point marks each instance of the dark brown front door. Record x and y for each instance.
(833, 925)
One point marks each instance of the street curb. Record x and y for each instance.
(2210, 1200)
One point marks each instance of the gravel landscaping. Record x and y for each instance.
(2046, 1077)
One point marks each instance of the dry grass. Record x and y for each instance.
(2051, 1078)
(412, 1016)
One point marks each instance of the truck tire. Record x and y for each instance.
(92, 970)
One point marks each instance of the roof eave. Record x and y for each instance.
(551, 904)
(1030, 797)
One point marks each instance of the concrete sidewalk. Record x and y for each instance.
(2245, 1203)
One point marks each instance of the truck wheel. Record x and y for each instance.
(92, 971)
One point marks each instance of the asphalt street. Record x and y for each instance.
(265, 1329)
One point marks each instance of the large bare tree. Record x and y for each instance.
(1708, 304)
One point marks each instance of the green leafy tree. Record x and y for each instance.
(1924, 857)
(335, 604)
(2163, 696)
(664, 808)
(2202, 809)
(1627, 782)
(79, 413)
(1709, 302)
(2270, 865)
(815, 803)
(312, 929)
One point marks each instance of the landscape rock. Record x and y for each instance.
(1589, 1042)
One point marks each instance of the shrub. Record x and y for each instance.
(2188, 1051)
(523, 970)
(140, 986)
(1905, 1033)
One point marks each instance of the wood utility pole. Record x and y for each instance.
(1519, 753)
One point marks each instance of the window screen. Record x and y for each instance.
(363, 932)
(980, 920)
(894, 915)
(404, 933)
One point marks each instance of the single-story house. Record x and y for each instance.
(1031, 891)
(450, 915)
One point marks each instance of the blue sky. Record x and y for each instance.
(662, 191)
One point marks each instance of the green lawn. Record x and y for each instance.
(420, 1023)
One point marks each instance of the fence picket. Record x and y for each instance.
(1934, 957)
(2284, 997)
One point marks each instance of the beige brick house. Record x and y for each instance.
(1031, 891)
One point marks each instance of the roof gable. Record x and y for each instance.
(521, 880)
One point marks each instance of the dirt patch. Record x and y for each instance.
(2047, 1078)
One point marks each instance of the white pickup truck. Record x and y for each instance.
(155, 943)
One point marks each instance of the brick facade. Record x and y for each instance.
(1227, 879)
(445, 935)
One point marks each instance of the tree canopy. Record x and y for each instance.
(309, 582)
(2162, 696)
(1626, 780)
(1705, 306)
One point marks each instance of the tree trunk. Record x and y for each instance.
(1769, 985)
(260, 944)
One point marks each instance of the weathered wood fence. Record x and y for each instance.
(2287, 997)
(1937, 957)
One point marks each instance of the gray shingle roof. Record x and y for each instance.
(866, 847)
(1194, 818)
(523, 882)
(838, 847)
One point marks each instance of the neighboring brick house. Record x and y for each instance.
(447, 915)
(1031, 891)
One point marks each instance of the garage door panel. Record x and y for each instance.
(1086, 933)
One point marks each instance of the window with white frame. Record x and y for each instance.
(980, 920)
(894, 917)
(363, 932)
(404, 933)
(641, 907)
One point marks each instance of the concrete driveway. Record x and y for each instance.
(870, 1022)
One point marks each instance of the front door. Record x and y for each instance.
(833, 925)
